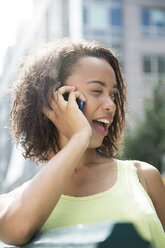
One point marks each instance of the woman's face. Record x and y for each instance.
(96, 80)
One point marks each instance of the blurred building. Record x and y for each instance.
(134, 29)
(49, 21)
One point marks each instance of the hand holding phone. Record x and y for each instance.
(65, 115)
(79, 101)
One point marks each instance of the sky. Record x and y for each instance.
(12, 12)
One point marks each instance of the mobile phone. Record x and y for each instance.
(79, 101)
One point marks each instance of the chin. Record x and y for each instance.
(95, 142)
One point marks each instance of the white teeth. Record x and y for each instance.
(104, 121)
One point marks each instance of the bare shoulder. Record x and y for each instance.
(150, 174)
(152, 181)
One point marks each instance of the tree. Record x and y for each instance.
(147, 141)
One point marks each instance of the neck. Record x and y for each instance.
(90, 156)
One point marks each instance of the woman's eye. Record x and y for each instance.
(97, 91)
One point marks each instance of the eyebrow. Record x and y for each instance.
(101, 83)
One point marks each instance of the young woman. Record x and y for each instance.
(82, 181)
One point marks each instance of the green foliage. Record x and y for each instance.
(147, 141)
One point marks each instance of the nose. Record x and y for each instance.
(109, 105)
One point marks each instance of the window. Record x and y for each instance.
(154, 68)
(95, 16)
(153, 22)
(161, 65)
(147, 64)
(98, 17)
(115, 17)
(85, 16)
(102, 20)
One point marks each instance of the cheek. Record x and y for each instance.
(89, 108)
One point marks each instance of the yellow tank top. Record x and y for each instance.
(126, 201)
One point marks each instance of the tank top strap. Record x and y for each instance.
(127, 174)
(126, 168)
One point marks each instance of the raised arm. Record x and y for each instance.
(24, 210)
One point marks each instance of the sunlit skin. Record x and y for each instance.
(96, 80)
(77, 169)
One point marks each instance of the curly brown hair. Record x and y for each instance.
(40, 74)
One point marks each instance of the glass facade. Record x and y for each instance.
(97, 16)
(102, 20)
(116, 17)
(153, 22)
(154, 68)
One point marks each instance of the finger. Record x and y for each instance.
(77, 94)
(58, 102)
(58, 94)
(65, 89)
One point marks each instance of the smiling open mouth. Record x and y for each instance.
(101, 126)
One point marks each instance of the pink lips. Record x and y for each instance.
(101, 128)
